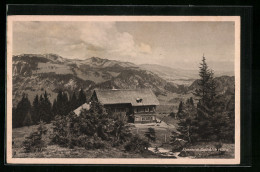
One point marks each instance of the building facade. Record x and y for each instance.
(138, 105)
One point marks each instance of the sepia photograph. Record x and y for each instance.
(123, 90)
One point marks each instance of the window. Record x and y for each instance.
(139, 100)
(147, 109)
(147, 118)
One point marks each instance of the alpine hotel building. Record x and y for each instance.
(139, 104)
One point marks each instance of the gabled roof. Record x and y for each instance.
(79, 109)
(137, 97)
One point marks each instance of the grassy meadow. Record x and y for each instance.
(163, 132)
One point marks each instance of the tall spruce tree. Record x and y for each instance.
(202, 93)
(62, 104)
(180, 110)
(27, 120)
(41, 108)
(45, 112)
(35, 110)
(47, 106)
(73, 101)
(205, 107)
(81, 98)
(191, 101)
(66, 104)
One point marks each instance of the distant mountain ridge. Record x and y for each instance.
(34, 73)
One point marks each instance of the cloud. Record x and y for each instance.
(170, 44)
(145, 48)
(81, 40)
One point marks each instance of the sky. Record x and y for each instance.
(173, 44)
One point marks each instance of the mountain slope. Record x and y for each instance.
(225, 84)
(34, 73)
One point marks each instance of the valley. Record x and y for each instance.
(35, 73)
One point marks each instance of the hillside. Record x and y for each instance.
(225, 85)
(35, 73)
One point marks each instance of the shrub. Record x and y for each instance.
(94, 143)
(136, 144)
(218, 145)
(34, 142)
(150, 134)
(92, 129)
(60, 133)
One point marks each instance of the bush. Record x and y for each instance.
(137, 144)
(92, 129)
(34, 142)
(94, 143)
(60, 133)
(218, 145)
(150, 134)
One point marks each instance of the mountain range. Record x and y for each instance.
(35, 73)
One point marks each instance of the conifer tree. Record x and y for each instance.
(28, 120)
(35, 142)
(22, 109)
(45, 113)
(205, 107)
(65, 104)
(180, 109)
(41, 101)
(62, 104)
(81, 98)
(73, 101)
(54, 107)
(191, 101)
(202, 93)
(187, 128)
(47, 106)
(35, 110)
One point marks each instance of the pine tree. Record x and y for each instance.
(205, 107)
(73, 102)
(191, 101)
(35, 110)
(187, 128)
(180, 110)
(45, 111)
(81, 98)
(203, 83)
(54, 108)
(41, 108)
(47, 107)
(66, 104)
(62, 104)
(28, 120)
(22, 109)
(35, 142)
